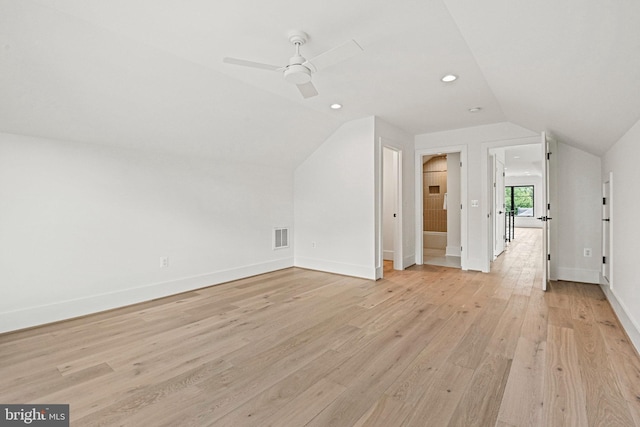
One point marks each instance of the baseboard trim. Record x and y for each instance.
(69, 309)
(453, 251)
(408, 261)
(362, 271)
(579, 275)
(631, 327)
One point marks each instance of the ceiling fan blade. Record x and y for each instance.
(335, 55)
(251, 64)
(307, 90)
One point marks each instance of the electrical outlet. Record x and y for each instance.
(164, 261)
(587, 252)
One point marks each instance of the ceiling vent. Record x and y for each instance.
(280, 238)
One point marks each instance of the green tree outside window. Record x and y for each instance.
(519, 199)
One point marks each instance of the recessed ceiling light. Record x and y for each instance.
(336, 106)
(516, 157)
(449, 78)
(475, 109)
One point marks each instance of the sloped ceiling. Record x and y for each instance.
(149, 74)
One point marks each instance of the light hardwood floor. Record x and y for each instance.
(429, 346)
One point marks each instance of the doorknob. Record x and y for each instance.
(606, 219)
(543, 218)
(499, 212)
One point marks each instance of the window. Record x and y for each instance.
(519, 199)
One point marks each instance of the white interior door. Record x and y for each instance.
(498, 190)
(548, 186)
(606, 230)
(392, 206)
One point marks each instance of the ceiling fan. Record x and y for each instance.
(299, 69)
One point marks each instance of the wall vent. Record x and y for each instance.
(280, 238)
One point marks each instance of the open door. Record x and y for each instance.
(548, 185)
(498, 191)
(392, 206)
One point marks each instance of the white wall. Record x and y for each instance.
(538, 203)
(338, 204)
(453, 204)
(474, 138)
(83, 226)
(334, 203)
(622, 159)
(579, 215)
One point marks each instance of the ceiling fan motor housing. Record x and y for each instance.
(297, 73)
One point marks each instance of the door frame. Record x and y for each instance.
(397, 223)
(486, 210)
(399, 237)
(462, 149)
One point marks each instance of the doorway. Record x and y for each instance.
(517, 197)
(440, 213)
(392, 206)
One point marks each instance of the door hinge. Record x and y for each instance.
(460, 164)
(604, 200)
(604, 259)
(548, 156)
(460, 248)
(548, 206)
(460, 205)
(548, 257)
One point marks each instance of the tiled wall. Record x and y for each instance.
(434, 182)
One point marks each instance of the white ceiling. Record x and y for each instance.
(149, 73)
(523, 160)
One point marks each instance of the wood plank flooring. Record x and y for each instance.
(428, 346)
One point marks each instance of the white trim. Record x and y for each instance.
(631, 327)
(408, 261)
(39, 315)
(452, 251)
(579, 275)
(462, 149)
(363, 271)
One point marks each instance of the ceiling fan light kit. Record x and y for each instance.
(297, 74)
(299, 70)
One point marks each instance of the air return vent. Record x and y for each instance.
(280, 238)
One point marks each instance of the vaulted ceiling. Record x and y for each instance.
(149, 73)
